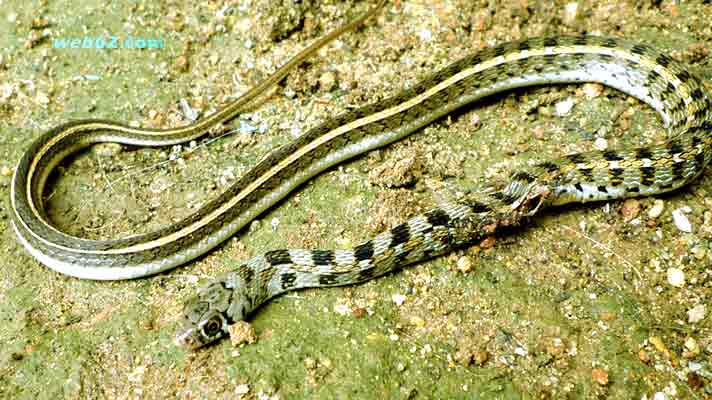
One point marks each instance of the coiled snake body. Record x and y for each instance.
(638, 70)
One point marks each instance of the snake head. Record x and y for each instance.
(207, 316)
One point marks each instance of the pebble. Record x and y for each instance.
(660, 396)
(242, 389)
(188, 111)
(643, 356)
(699, 252)
(600, 144)
(657, 209)
(107, 149)
(570, 12)
(464, 264)
(676, 277)
(274, 223)
(399, 299)
(681, 221)
(659, 345)
(425, 35)
(696, 313)
(246, 127)
(5, 170)
(241, 332)
(463, 357)
(564, 107)
(159, 184)
(630, 209)
(6, 91)
(692, 346)
(592, 90)
(342, 309)
(327, 81)
(42, 99)
(600, 376)
(480, 357)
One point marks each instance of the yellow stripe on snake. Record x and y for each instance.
(635, 69)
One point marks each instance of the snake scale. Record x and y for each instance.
(636, 69)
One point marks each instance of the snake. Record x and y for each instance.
(666, 85)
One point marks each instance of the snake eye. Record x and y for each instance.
(212, 327)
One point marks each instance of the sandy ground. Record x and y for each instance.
(599, 301)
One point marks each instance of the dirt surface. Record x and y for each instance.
(604, 301)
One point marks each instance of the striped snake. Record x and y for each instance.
(635, 69)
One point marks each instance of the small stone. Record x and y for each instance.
(630, 209)
(695, 381)
(563, 107)
(643, 356)
(676, 277)
(425, 35)
(107, 149)
(159, 184)
(188, 111)
(681, 221)
(699, 252)
(242, 332)
(464, 264)
(342, 309)
(692, 347)
(398, 299)
(555, 347)
(274, 223)
(570, 12)
(327, 81)
(659, 345)
(310, 363)
(696, 313)
(656, 209)
(42, 98)
(464, 357)
(5, 171)
(592, 90)
(600, 144)
(480, 357)
(600, 376)
(242, 389)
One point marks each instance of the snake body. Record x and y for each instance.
(636, 69)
